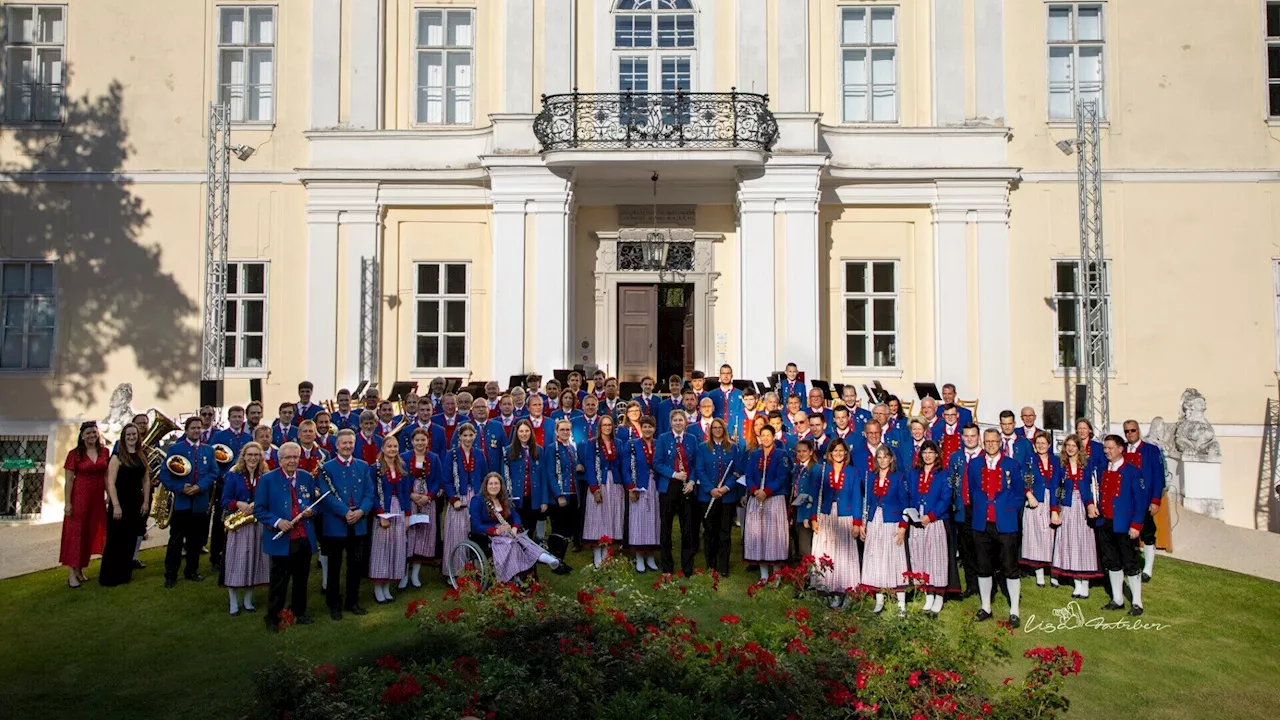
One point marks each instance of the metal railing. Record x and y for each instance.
(627, 120)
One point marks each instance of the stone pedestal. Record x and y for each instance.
(1201, 485)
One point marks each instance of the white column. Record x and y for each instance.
(508, 288)
(707, 48)
(517, 60)
(948, 62)
(951, 298)
(757, 331)
(322, 302)
(753, 44)
(606, 77)
(363, 232)
(326, 37)
(793, 55)
(995, 338)
(364, 37)
(559, 36)
(801, 339)
(988, 38)
(554, 273)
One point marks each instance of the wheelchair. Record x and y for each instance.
(475, 555)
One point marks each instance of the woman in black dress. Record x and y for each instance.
(129, 489)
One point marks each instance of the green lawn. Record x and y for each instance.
(141, 651)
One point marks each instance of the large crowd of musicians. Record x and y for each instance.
(930, 504)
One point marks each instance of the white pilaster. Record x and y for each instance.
(326, 37)
(554, 298)
(517, 56)
(559, 36)
(322, 302)
(606, 77)
(995, 338)
(948, 62)
(364, 42)
(988, 37)
(707, 47)
(753, 44)
(801, 339)
(364, 230)
(951, 298)
(793, 55)
(508, 286)
(757, 331)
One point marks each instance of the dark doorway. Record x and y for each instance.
(675, 330)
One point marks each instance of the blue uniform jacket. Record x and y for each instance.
(234, 440)
(497, 438)
(664, 459)
(484, 521)
(1152, 468)
(456, 478)
(387, 487)
(728, 405)
(636, 471)
(937, 502)
(1023, 452)
(236, 489)
(273, 501)
(1067, 487)
(585, 431)
(349, 420)
(1009, 499)
(305, 412)
(648, 405)
(773, 477)
(957, 476)
(351, 487)
(786, 389)
(710, 465)
(203, 473)
(663, 414)
(431, 472)
(847, 500)
(513, 472)
(558, 482)
(281, 434)
(1129, 508)
(597, 467)
(435, 436)
(892, 503)
(1044, 487)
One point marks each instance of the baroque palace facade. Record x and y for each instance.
(868, 188)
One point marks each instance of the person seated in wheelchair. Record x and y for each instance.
(495, 520)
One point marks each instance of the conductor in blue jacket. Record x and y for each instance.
(674, 459)
(283, 495)
(191, 490)
(997, 491)
(1122, 502)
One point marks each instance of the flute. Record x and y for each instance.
(299, 515)
(718, 486)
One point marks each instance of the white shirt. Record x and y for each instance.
(507, 420)
(950, 429)
(993, 462)
(1114, 466)
(1134, 447)
(971, 454)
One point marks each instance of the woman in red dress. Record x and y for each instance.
(84, 527)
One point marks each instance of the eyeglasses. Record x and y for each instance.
(1128, 431)
(206, 414)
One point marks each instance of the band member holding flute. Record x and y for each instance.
(605, 500)
(717, 467)
(282, 502)
(677, 480)
(350, 483)
(764, 531)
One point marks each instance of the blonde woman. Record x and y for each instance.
(247, 567)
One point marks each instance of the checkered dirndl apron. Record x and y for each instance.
(883, 560)
(386, 558)
(835, 540)
(765, 535)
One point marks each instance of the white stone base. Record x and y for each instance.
(1201, 484)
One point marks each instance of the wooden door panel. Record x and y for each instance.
(637, 332)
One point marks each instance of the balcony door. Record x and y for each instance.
(654, 72)
(655, 44)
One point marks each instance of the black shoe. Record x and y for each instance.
(1015, 622)
(1146, 578)
(983, 616)
(357, 610)
(194, 578)
(1112, 605)
(250, 609)
(335, 613)
(753, 568)
(562, 568)
(303, 620)
(1135, 610)
(170, 582)
(235, 613)
(139, 565)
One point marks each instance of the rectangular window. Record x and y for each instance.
(30, 315)
(445, 57)
(34, 54)
(1069, 299)
(869, 64)
(442, 303)
(246, 336)
(1275, 272)
(871, 314)
(1076, 58)
(247, 62)
(1273, 58)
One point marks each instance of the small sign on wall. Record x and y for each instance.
(681, 216)
(722, 348)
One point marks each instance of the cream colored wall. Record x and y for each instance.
(867, 233)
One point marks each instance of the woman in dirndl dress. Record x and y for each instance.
(387, 553)
(602, 464)
(642, 496)
(520, 470)
(1075, 554)
(246, 565)
(928, 545)
(424, 470)
(464, 469)
(765, 538)
(513, 551)
(1040, 517)
(837, 489)
(629, 424)
(884, 557)
(1090, 449)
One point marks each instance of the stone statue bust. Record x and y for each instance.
(119, 410)
(1160, 434)
(1194, 437)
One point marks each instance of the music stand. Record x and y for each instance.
(743, 384)
(628, 390)
(561, 376)
(924, 390)
(881, 393)
(359, 392)
(516, 381)
(451, 384)
(400, 388)
(476, 389)
(775, 379)
(822, 385)
(762, 388)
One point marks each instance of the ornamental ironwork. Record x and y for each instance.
(655, 120)
(656, 251)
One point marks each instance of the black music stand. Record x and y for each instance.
(743, 384)
(924, 390)
(400, 388)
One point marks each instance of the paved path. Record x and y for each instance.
(28, 548)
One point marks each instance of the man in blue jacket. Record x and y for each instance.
(674, 460)
(190, 520)
(1122, 501)
(997, 491)
(1150, 460)
(350, 481)
(283, 495)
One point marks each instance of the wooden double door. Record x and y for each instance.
(655, 331)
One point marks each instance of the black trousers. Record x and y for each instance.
(717, 532)
(582, 513)
(1148, 533)
(333, 548)
(801, 541)
(530, 515)
(293, 568)
(186, 535)
(962, 540)
(1117, 551)
(217, 534)
(996, 551)
(675, 503)
(567, 520)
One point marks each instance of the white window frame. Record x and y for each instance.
(26, 327)
(1077, 299)
(420, 47)
(1269, 42)
(239, 297)
(442, 297)
(868, 47)
(246, 47)
(36, 47)
(1076, 45)
(870, 333)
(654, 54)
(1275, 285)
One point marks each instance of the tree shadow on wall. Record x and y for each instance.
(112, 290)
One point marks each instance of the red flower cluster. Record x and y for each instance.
(286, 619)
(387, 662)
(451, 616)
(413, 607)
(920, 577)
(326, 674)
(1065, 662)
(730, 619)
(401, 691)
(796, 645)
(799, 614)
(604, 540)
(467, 668)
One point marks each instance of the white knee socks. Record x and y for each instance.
(1114, 578)
(234, 594)
(652, 562)
(137, 546)
(548, 559)
(248, 599)
(404, 581)
(1040, 576)
(879, 602)
(639, 562)
(937, 603)
(386, 591)
(764, 572)
(414, 574)
(324, 572)
(984, 592)
(598, 555)
(1135, 588)
(1082, 588)
(1014, 586)
(1148, 559)
(902, 602)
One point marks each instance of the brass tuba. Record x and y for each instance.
(161, 498)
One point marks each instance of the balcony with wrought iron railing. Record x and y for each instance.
(656, 121)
